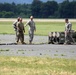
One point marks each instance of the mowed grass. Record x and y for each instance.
(36, 66)
(42, 28)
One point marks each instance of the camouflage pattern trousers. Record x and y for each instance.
(20, 36)
(68, 38)
(31, 35)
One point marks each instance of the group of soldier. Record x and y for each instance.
(20, 30)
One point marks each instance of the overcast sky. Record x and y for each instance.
(25, 1)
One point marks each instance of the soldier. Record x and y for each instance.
(20, 31)
(15, 26)
(32, 28)
(68, 35)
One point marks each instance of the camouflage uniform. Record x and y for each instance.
(20, 32)
(15, 26)
(68, 34)
(32, 27)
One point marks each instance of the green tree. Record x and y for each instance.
(1, 7)
(67, 9)
(73, 10)
(36, 8)
(7, 7)
(5, 14)
(49, 8)
(39, 9)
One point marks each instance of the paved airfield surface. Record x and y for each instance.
(38, 48)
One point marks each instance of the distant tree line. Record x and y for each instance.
(39, 9)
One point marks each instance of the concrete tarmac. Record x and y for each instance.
(38, 48)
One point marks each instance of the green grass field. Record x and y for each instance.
(36, 66)
(43, 28)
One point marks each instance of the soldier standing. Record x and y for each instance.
(32, 28)
(15, 26)
(20, 31)
(68, 34)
